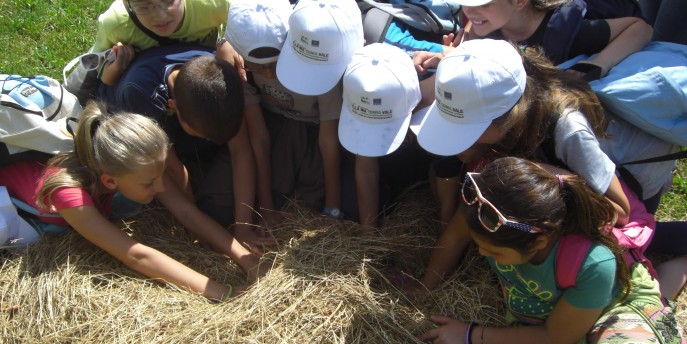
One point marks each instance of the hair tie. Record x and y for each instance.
(560, 180)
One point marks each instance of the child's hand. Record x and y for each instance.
(270, 219)
(449, 331)
(251, 240)
(226, 52)
(425, 60)
(121, 56)
(407, 285)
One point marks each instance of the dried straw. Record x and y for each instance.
(328, 284)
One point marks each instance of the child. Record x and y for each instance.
(493, 100)
(380, 90)
(124, 153)
(517, 214)
(177, 21)
(192, 93)
(525, 22)
(300, 152)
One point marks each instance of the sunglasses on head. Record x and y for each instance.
(490, 217)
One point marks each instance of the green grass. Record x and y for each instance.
(39, 37)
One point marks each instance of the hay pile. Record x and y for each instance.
(328, 284)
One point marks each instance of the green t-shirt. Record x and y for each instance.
(202, 24)
(531, 291)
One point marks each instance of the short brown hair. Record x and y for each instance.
(209, 97)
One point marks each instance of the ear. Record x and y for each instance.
(108, 181)
(172, 104)
(520, 4)
(541, 242)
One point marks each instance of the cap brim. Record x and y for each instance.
(307, 78)
(367, 139)
(442, 137)
(417, 118)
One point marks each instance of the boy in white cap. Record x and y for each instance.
(300, 152)
(323, 34)
(380, 91)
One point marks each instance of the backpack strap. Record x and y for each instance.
(632, 182)
(563, 25)
(27, 209)
(572, 250)
(375, 24)
(160, 39)
(672, 156)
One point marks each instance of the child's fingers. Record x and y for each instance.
(440, 319)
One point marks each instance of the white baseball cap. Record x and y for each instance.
(253, 24)
(477, 82)
(380, 90)
(323, 34)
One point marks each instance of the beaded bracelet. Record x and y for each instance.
(468, 333)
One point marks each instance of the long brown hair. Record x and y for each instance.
(549, 94)
(527, 193)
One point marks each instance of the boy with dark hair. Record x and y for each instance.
(205, 92)
(186, 87)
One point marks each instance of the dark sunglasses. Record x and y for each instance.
(490, 217)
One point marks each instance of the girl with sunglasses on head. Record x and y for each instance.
(517, 213)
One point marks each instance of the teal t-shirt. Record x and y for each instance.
(531, 291)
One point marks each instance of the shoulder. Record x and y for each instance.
(115, 17)
(571, 121)
(114, 25)
(218, 8)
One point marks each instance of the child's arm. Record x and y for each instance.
(243, 169)
(112, 71)
(619, 201)
(566, 324)
(93, 226)
(260, 143)
(227, 52)
(207, 229)
(448, 249)
(331, 161)
(628, 35)
(367, 188)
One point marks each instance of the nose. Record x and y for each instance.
(159, 11)
(483, 252)
(158, 186)
(467, 10)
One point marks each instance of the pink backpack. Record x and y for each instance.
(633, 237)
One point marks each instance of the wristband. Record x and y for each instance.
(227, 294)
(334, 213)
(468, 333)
